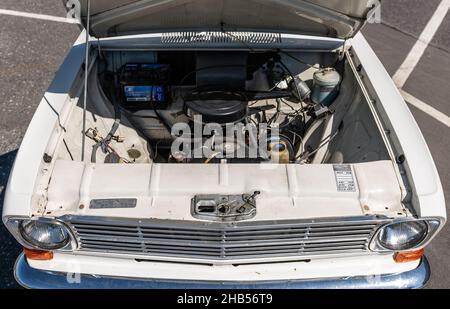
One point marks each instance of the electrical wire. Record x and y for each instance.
(295, 111)
(284, 101)
(296, 88)
(302, 145)
(104, 143)
(68, 150)
(252, 120)
(299, 60)
(322, 143)
(156, 150)
(212, 157)
(115, 152)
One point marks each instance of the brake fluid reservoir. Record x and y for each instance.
(278, 152)
(326, 86)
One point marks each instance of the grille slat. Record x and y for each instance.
(169, 226)
(99, 233)
(230, 251)
(218, 244)
(223, 241)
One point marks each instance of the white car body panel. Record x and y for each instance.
(293, 188)
(26, 168)
(428, 195)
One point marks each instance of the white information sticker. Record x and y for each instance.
(344, 178)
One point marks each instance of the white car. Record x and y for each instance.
(223, 144)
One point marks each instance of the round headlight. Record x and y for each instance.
(44, 235)
(403, 235)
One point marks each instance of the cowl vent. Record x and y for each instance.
(221, 37)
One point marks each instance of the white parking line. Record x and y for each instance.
(439, 116)
(39, 16)
(411, 61)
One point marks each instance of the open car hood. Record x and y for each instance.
(330, 18)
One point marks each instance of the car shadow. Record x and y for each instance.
(9, 248)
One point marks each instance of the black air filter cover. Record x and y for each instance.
(217, 106)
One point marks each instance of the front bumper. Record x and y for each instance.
(33, 278)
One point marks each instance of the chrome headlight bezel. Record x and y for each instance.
(14, 225)
(432, 226)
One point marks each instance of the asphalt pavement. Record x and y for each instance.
(31, 51)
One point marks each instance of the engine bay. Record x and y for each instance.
(201, 106)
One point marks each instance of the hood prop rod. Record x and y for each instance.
(86, 73)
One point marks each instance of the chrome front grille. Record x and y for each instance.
(216, 241)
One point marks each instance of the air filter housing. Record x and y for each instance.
(217, 106)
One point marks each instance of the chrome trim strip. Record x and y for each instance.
(29, 277)
(431, 233)
(12, 223)
(208, 225)
(236, 261)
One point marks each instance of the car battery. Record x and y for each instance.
(144, 85)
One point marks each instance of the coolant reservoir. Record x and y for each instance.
(326, 86)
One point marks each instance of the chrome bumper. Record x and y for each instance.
(38, 279)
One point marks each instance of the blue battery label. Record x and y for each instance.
(150, 93)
